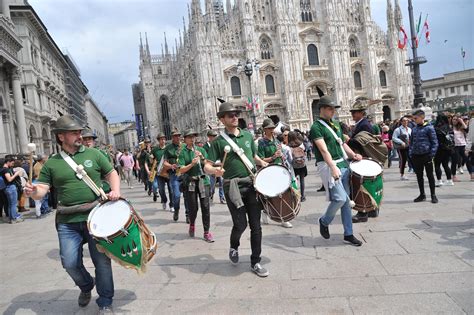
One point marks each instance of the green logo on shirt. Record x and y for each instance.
(88, 163)
(247, 144)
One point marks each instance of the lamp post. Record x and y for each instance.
(248, 68)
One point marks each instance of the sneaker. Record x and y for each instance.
(234, 256)
(164, 206)
(434, 199)
(84, 298)
(264, 218)
(208, 237)
(176, 215)
(410, 171)
(403, 178)
(149, 192)
(460, 170)
(321, 189)
(191, 230)
(131, 187)
(360, 217)
(259, 270)
(106, 310)
(223, 201)
(187, 219)
(420, 198)
(439, 183)
(17, 220)
(350, 239)
(303, 198)
(155, 197)
(287, 225)
(323, 230)
(449, 182)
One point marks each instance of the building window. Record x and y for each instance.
(465, 88)
(235, 86)
(357, 80)
(313, 59)
(383, 78)
(439, 92)
(270, 84)
(453, 89)
(266, 51)
(306, 15)
(353, 48)
(427, 93)
(160, 71)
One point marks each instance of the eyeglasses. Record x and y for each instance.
(233, 115)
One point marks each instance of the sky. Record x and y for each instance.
(102, 36)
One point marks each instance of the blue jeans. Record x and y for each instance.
(213, 186)
(72, 236)
(159, 184)
(339, 196)
(175, 190)
(12, 196)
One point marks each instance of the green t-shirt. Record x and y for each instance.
(144, 158)
(234, 167)
(158, 152)
(376, 129)
(267, 148)
(171, 152)
(186, 157)
(71, 190)
(319, 131)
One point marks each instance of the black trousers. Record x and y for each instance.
(403, 159)
(3, 204)
(457, 158)
(250, 210)
(442, 158)
(192, 201)
(420, 163)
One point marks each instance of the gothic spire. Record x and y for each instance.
(166, 46)
(398, 15)
(196, 11)
(141, 47)
(389, 15)
(147, 47)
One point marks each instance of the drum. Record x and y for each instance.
(366, 184)
(121, 234)
(280, 201)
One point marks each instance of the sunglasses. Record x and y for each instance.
(233, 115)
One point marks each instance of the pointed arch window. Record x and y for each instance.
(235, 86)
(270, 84)
(266, 50)
(353, 48)
(383, 78)
(313, 59)
(357, 80)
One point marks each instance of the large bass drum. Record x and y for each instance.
(366, 184)
(280, 201)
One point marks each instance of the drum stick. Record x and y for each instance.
(31, 149)
(98, 191)
(226, 150)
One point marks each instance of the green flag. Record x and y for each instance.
(418, 26)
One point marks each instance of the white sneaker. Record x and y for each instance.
(287, 225)
(402, 178)
(439, 183)
(449, 182)
(460, 170)
(264, 218)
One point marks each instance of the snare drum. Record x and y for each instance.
(280, 201)
(366, 184)
(121, 234)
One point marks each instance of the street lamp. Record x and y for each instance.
(248, 70)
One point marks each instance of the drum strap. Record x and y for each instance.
(239, 151)
(82, 175)
(339, 140)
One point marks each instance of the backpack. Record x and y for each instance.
(373, 146)
(445, 139)
(299, 157)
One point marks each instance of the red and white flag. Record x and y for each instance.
(427, 31)
(403, 44)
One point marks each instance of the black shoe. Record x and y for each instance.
(85, 297)
(149, 192)
(350, 239)
(303, 198)
(360, 217)
(234, 256)
(434, 199)
(323, 230)
(176, 215)
(374, 214)
(155, 196)
(321, 189)
(420, 198)
(187, 219)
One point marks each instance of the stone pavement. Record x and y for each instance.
(416, 259)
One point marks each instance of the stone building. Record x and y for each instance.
(76, 91)
(297, 51)
(96, 121)
(126, 139)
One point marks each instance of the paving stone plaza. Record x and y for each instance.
(416, 259)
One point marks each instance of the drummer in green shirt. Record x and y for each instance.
(331, 153)
(269, 149)
(76, 200)
(196, 183)
(239, 191)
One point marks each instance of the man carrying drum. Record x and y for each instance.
(331, 152)
(76, 200)
(160, 181)
(270, 150)
(196, 183)
(239, 191)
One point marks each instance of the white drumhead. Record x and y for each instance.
(272, 180)
(366, 168)
(107, 219)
